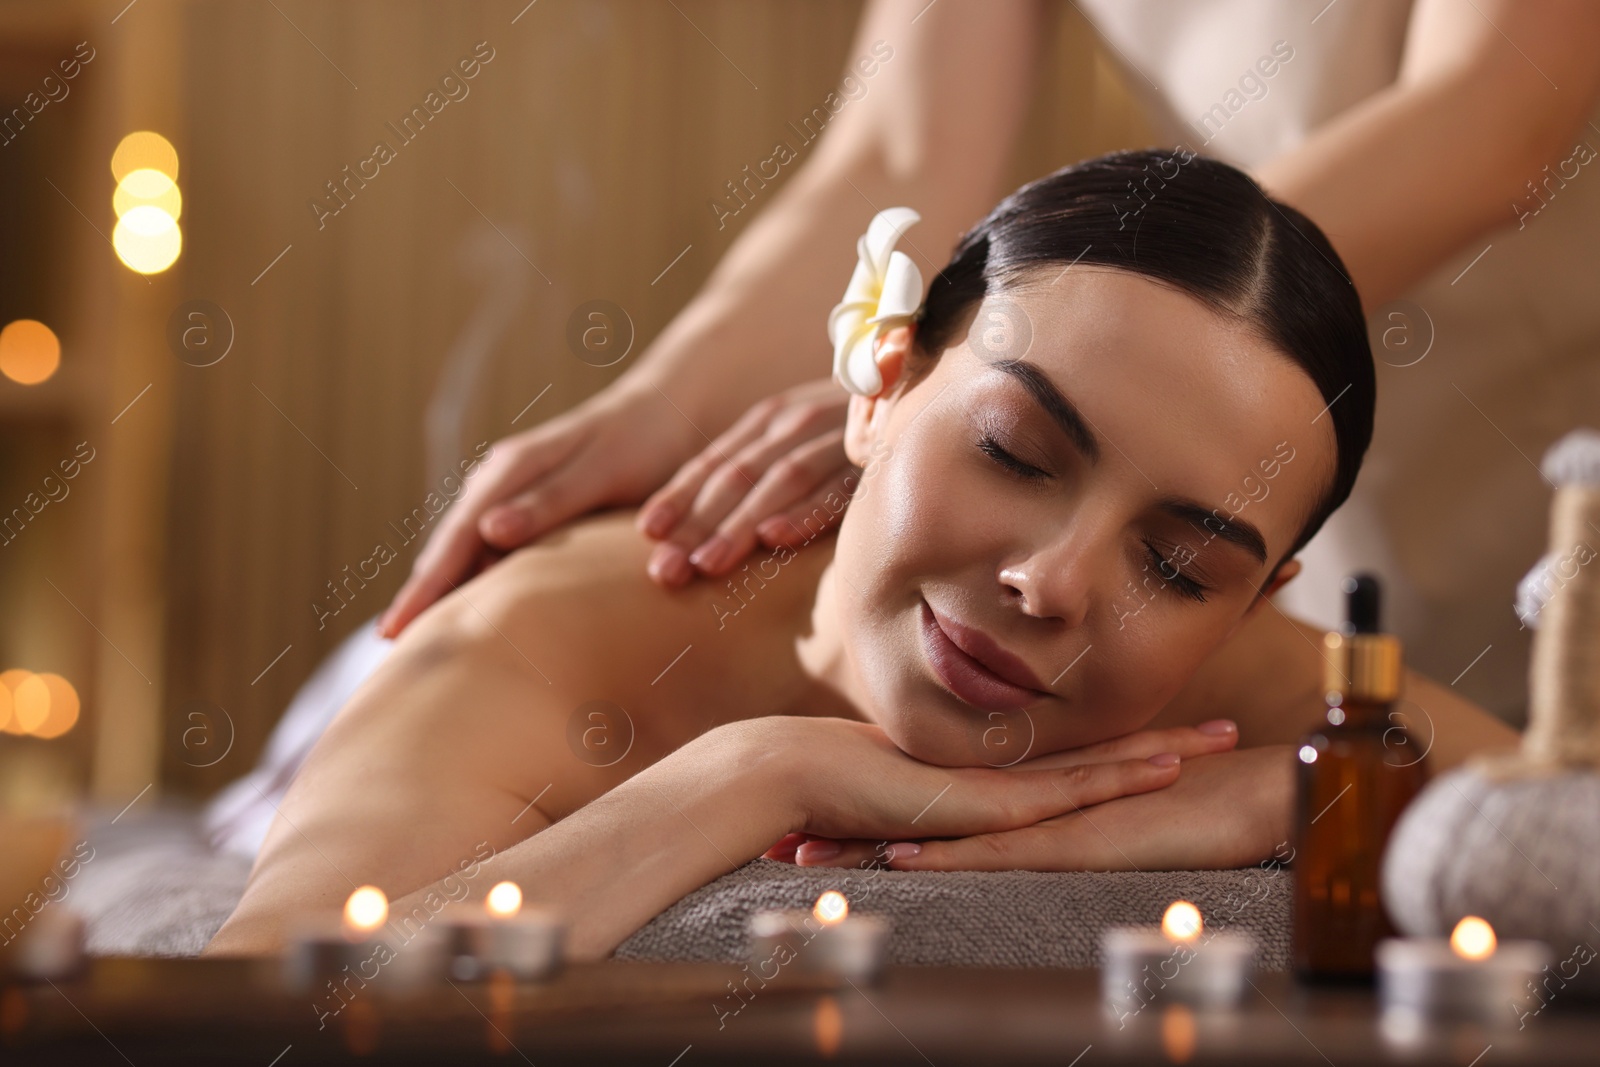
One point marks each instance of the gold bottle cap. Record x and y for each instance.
(1363, 666)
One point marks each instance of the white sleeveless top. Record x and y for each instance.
(1450, 510)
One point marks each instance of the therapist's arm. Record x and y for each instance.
(1489, 92)
(933, 129)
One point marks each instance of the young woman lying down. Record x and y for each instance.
(1040, 638)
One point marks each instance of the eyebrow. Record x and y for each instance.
(1234, 530)
(1057, 406)
(1065, 414)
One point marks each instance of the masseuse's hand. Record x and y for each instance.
(847, 779)
(1231, 809)
(611, 450)
(766, 480)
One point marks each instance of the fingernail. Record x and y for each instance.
(903, 850)
(1217, 727)
(668, 565)
(816, 851)
(772, 529)
(710, 555)
(503, 525)
(657, 521)
(1165, 759)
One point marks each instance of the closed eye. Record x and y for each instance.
(1172, 573)
(991, 447)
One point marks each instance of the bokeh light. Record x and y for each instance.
(504, 900)
(63, 707)
(1473, 939)
(144, 150)
(365, 911)
(30, 704)
(147, 186)
(1181, 922)
(37, 705)
(9, 680)
(831, 907)
(147, 239)
(29, 351)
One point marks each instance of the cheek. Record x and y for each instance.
(916, 513)
(1143, 666)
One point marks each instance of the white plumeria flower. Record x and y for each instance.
(884, 291)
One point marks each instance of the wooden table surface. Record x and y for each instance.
(150, 1012)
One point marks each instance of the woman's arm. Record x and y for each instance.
(722, 799)
(1489, 92)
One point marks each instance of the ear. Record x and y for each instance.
(869, 414)
(1286, 570)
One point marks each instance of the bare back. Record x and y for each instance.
(524, 695)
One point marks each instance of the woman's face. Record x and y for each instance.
(1066, 514)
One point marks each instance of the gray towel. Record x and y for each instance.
(976, 918)
(154, 888)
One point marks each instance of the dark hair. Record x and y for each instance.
(1204, 227)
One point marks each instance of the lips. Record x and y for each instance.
(974, 667)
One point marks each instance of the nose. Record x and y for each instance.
(1051, 582)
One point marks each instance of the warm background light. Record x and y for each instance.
(504, 900)
(144, 150)
(147, 186)
(37, 705)
(29, 351)
(1473, 939)
(63, 705)
(366, 910)
(147, 239)
(9, 680)
(831, 907)
(30, 704)
(1181, 922)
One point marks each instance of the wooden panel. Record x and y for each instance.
(579, 165)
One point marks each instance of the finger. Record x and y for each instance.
(562, 494)
(724, 488)
(785, 847)
(993, 800)
(1218, 735)
(432, 577)
(806, 521)
(668, 505)
(1072, 843)
(816, 472)
(853, 853)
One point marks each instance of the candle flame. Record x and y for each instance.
(504, 900)
(1473, 939)
(366, 910)
(1182, 922)
(831, 908)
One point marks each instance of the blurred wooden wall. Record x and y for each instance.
(592, 142)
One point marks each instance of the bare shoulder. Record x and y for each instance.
(576, 612)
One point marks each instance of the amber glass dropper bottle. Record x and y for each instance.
(1354, 776)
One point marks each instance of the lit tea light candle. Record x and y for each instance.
(825, 940)
(1181, 961)
(1471, 975)
(504, 935)
(364, 914)
(324, 948)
